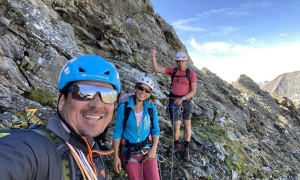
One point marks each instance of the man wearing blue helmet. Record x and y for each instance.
(71, 145)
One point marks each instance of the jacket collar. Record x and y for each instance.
(57, 126)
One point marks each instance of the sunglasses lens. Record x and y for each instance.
(141, 88)
(108, 95)
(87, 92)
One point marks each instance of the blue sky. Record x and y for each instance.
(258, 38)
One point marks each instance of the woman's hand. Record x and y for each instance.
(150, 155)
(117, 164)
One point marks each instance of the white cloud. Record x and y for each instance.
(211, 12)
(283, 34)
(195, 45)
(251, 40)
(258, 4)
(216, 47)
(260, 64)
(220, 48)
(184, 26)
(222, 31)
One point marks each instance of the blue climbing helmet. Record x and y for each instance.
(89, 68)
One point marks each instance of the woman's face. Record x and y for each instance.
(142, 92)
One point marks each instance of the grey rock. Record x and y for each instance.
(239, 130)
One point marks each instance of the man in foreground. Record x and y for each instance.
(70, 146)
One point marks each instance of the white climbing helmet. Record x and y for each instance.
(181, 56)
(148, 81)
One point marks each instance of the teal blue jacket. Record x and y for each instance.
(132, 132)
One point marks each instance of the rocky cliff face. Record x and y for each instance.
(239, 131)
(287, 85)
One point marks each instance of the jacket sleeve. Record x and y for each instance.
(27, 155)
(156, 129)
(118, 129)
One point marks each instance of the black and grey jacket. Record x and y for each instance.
(42, 153)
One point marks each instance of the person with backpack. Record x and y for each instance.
(136, 134)
(183, 88)
(71, 145)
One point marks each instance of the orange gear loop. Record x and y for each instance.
(90, 154)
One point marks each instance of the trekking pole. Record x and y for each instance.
(172, 156)
(180, 110)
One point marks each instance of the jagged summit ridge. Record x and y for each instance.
(239, 131)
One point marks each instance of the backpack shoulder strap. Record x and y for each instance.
(126, 114)
(172, 77)
(150, 111)
(173, 74)
(188, 76)
(62, 151)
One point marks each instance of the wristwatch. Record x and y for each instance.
(183, 98)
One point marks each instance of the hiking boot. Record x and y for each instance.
(176, 147)
(187, 156)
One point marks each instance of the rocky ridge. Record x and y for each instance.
(286, 85)
(239, 130)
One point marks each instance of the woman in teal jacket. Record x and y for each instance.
(136, 135)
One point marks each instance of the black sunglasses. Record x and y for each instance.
(141, 88)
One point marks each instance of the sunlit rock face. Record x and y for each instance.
(239, 130)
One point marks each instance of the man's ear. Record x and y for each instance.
(60, 101)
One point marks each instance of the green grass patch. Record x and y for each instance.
(42, 97)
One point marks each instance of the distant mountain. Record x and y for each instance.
(287, 84)
(239, 131)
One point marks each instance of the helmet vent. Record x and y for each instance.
(107, 73)
(81, 70)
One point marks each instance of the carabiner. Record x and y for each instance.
(145, 150)
(180, 109)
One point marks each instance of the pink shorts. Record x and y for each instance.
(134, 168)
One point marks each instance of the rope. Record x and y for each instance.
(142, 170)
(84, 170)
(160, 159)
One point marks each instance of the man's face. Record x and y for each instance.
(88, 118)
(182, 64)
